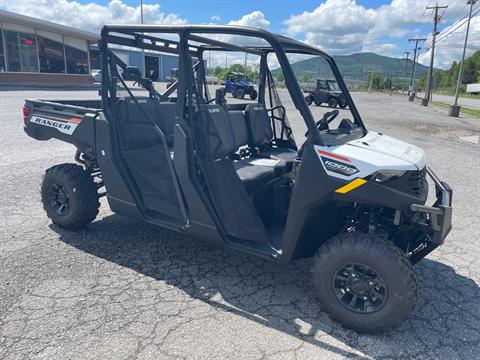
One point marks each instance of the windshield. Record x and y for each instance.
(327, 103)
(237, 77)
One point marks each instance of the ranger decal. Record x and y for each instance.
(66, 126)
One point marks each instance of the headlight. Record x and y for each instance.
(384, 175)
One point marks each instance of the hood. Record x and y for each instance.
(390, 146)
(246, 83)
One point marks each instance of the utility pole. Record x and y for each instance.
(406, 71)
(455, 108)
(143, 49)
(436, 20)
(415, 51)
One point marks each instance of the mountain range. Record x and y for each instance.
(356, 66)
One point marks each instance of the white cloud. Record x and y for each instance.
(90, 16)
(254, 19)
(215, 18)
(386, 49)
(344, 26)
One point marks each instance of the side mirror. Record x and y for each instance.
(132, 73)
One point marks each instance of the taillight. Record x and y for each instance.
(26, 114)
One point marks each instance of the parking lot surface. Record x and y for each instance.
(125, 289)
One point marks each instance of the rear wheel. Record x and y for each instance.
(364, 282)
(342, 103)
(332, 102)
(253, 94)
(240, 93)
(69, 196)
(309, 99)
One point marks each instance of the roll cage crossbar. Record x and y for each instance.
(140, 36)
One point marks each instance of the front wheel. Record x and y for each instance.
(332, 102)
(239, 93)
(253, 94)
(364, 282)
(309, 99)
(69, 196)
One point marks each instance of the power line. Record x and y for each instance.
(458, 27)
(450, 31)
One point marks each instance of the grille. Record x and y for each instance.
(417, 180)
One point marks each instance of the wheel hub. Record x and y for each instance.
(359, 288)
(59, 200)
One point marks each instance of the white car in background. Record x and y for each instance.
(96, 75)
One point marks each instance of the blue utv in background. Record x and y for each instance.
(238, 85)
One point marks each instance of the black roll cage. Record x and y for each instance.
(139, 36)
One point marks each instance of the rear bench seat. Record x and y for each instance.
(137, 130)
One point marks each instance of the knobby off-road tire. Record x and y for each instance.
(69, 196)
(332, 102)
(240, 93)
(343, 267)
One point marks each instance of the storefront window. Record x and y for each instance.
(21, 51)
(77, 61)
(2, 54)
(95, 59)
(51, 56)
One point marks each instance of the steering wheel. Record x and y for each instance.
(327, 118)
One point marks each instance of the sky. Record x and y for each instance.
(336, 26)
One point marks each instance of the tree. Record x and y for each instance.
(377, 81)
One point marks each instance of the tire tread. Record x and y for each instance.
(383, 249)
(86, 205)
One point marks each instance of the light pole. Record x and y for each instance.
(455, 108)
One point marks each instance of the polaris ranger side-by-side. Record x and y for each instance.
(241, 175)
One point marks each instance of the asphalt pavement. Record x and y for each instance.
(123, 289)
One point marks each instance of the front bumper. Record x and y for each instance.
(440, 213)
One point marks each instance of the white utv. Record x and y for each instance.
(353, 199)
